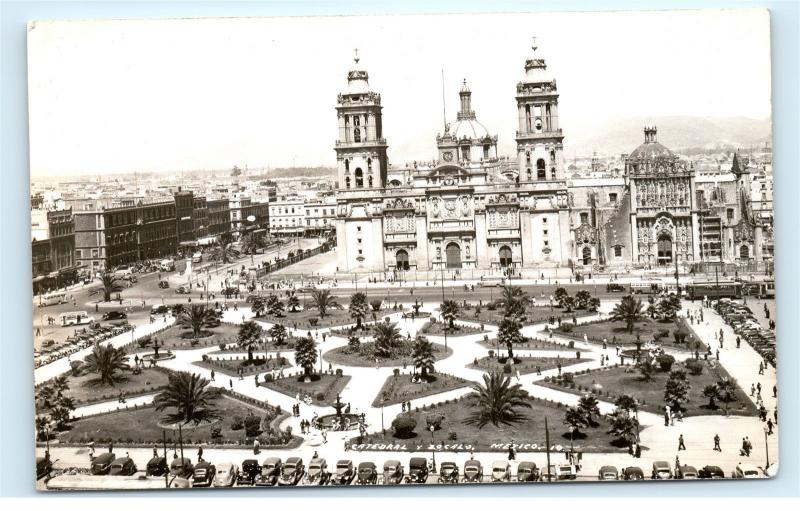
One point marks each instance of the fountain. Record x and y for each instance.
(156, 356)
(341, 420)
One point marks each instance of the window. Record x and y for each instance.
(359, 241)
(360, 252)
(584, 218)
(553, 173)
(730, 214)
(528, 157)
(358, 228)
(465, 153)
(78, 254)
(486, 152)
(612, 197)
(540, 172)
(359, 178)
(618, 251)
(546, 243)
(544, 232)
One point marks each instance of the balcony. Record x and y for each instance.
(400, 237)
(364, 143)
(502, 234)
(451, 226)
(543, 135)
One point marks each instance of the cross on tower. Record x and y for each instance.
(355, 55)
(534, 46)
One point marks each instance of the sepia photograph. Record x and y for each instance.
(402, 250)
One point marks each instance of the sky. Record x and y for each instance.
(183, 94)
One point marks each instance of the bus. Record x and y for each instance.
(765, 289)
(75, 318)
(52, 299)
(713, 290)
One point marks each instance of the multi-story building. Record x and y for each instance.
(119, 232)
(200, 217)
(219, 216)
(287, 217)
(90, 238)
(156, 229)
(184, 211)
(320, 215)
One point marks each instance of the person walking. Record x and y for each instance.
(231, 383)
(716, 443)
(770, 426)
(256, 446)
(681, 445)
(761, 368)
(752, 390)
(212, 375)
(200, 454)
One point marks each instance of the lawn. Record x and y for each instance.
(644, 330)
(525, 365)
(365, 355)
(231, 367)
(533, 344)
(177, 338)
(261, 348)
(397, 389)
(533, 314)
(323, 390)
(140, 426)
(308, 319)
(439, 327)
(86, 388)
(528, 436)
(627, 380)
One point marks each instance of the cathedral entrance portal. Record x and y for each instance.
(505, 257)
(453, 252)
(402, 260)
(587, 255)
(664, 250)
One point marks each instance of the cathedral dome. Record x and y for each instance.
(651, 149)
(469, 128)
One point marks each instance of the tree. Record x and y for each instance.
(190, 396)
(222, 250)
(559, 296)
(293, 302)
(629, 310)
(42, 427)
(623, 426)
(593, 304)
(258, 305)
(275, 307)
(376, 304)
(449, 312)
(627, 403)
(513, 300)
(582, 298)
(196, 318)
(249, 335)
(676, 390)
(387, 338)
(111, 284)
(305, 354)
(568, 303)
(52, 399)
(712, 393)
(358, 308)
(322, 300)
(509, 333)
(668, 306)
(353, 343)
(727, 391)
(106, 361)
(422, 355)
(665, 361)
(279, 334)
(647, 368)
(587, 404)
(575, 419)
(252, 243)
(403, 426)
(498, 402)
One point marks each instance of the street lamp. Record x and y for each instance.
(432, 428)
(443, 299)
(766, 445)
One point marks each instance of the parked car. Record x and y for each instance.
(43, 467)
(226, 475)
(159, 309)
(197, 257)
(102, 464)
(292, 472)
(318, 471)
(473, 471)
(608, 473)
(122, 467)
(661, 470)
(123, 270)
(113, 315)
(367, 473)
(180, 482)
(182, 290)
(163, 284)
(564, 472)
(181, 467)
(711, 472)
(686, 472)
(746, 472)
(249, 473)
(345, 473)
(157, 466)
(501, 471)
(270, 471)
(393, 472)
(448, 472)
(203, 474)
(417, 470)
(633, 474)
(527, 472)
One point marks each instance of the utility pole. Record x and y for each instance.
(547, 447)
(445, 327)
(166, 472)
(180, 440)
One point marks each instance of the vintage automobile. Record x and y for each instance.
(393, 472)
(249, 473)
(159, 309)
(615, 288)
(501, 471)
(318, 471)
(711, 472)
(270, 471)
(181, 467)
(746, 472)
(112, 315)
(564, 472)
(661, 470)
(527, 472)
(101, 464)
(180, 482)
(292, 472)
(608, 473)
(226, 475)
(163, 284)
(345, 473)
(632, 474)
(156, 466)
(473, 471)
(182, 290)
(43, 467)
(122, 467)
(367, 473)
(417, 470)
(448, 472)
(686, 472)
(203, 474)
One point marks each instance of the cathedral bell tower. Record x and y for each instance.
(360, 147)
(539, 137)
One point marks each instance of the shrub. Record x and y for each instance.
(571, 344)
(252, 425)
(665, 361)
(76, 366)
(216, 432)
(567, 377)
(237, 422)
(507, 368)
(396, 372)
(268, 378)
(339, 371)
(566, 327)
(404, 427)
(435, 420)
(662, 333)
(375, 304)
(205, 358)
(452, 436)
(320, 396)
(313, 321)
(491, 353)
(221, 346)
(694, 367)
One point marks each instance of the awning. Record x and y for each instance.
(52, 274)
(39, 278)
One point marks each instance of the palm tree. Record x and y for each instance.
(42, 427)
(251, 243)
(449, 313)
(322, 300)
(647, 368)
(196, 318)
(623, 426)
(279, 334)
(249, 335)
(275, 307)
(191, 397)
(575, 419)
(293, 302)
(387, 337)
(727, 391)
(588, 405)
(305, 354)
(353, 343)
(358, 308)
(223, 251)
(498, 401)
(111, 284)
(509, 333)
(628, 310)
(513, 300)
(627, 403)
(422, 355)
(258, 305)
(106, 361)
(712, 393)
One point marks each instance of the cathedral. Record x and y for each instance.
(472, 209)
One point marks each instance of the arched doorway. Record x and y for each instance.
(453, 252)
(664, 249)
(359, 178)
(401, 260)
(505, 256)
(744, 252)
(587, 255)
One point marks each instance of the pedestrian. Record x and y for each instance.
(256, 448)
(717, 354)
(752, 390)
(324, 436)
(774, 391)
(231, 383)
(512, 455)
(769, 426)
(212, 375)
(761, 368)
(200, 453)
(681, 445)
(738, 341)
(716, 443)
(671, 418)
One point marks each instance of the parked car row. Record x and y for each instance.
(746, 326)
(84, 338)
